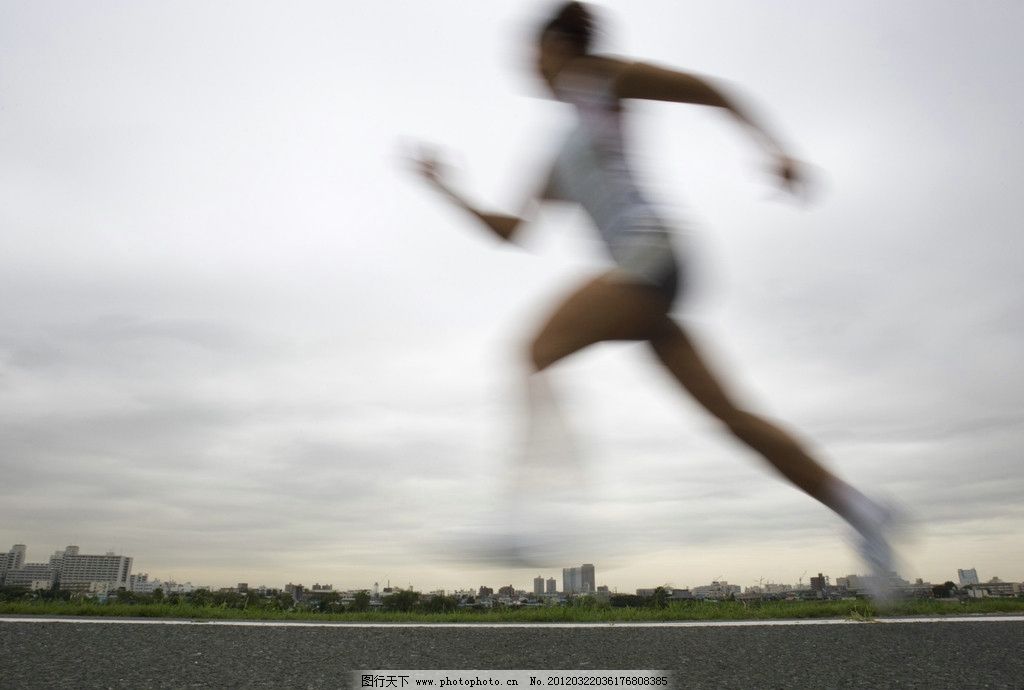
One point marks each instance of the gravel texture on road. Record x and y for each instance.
(868, 655)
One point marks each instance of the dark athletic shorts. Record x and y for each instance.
(646, 255)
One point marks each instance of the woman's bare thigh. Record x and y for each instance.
(605, 308)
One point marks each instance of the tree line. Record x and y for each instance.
(403, 601)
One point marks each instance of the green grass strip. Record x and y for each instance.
(677, 611)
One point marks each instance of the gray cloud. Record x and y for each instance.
(233, 327)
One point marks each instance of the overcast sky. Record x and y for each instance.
(239, 342)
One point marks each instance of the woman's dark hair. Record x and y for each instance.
(575, 23)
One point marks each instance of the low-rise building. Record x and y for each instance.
(143, 585)
(171, 587)
(820, 583)
(863, 584)
(919, 589)
(716, 590)
(994, 588)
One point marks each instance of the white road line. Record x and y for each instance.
(623, 624)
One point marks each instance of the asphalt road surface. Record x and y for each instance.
(61, 654)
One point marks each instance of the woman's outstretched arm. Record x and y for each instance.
(502, 225)
(648, 82)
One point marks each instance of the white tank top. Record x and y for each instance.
(591, 168)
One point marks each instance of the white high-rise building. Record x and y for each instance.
(572, 580)
(538, 585)
(967, 577)
(12, 560)
(551, 586)
(69, 569)
(78, 570)
(579, 580)
(32, 575)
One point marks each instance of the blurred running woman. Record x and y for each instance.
(632, 301)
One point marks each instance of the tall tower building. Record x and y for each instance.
(588, 582)
(967, 577)
(572, 580)
(551, 586)
(579, 580)
(538, 585)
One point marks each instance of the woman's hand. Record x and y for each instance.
(790, 173)
(795, 177)
(427, 165)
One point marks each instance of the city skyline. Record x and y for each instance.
(240, 341)
(960, 575)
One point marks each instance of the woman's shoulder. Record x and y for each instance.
(606, 66)
(595, 72)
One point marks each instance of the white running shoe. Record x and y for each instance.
(878, 556)
(875, 546)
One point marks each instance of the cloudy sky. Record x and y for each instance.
(238, 341)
